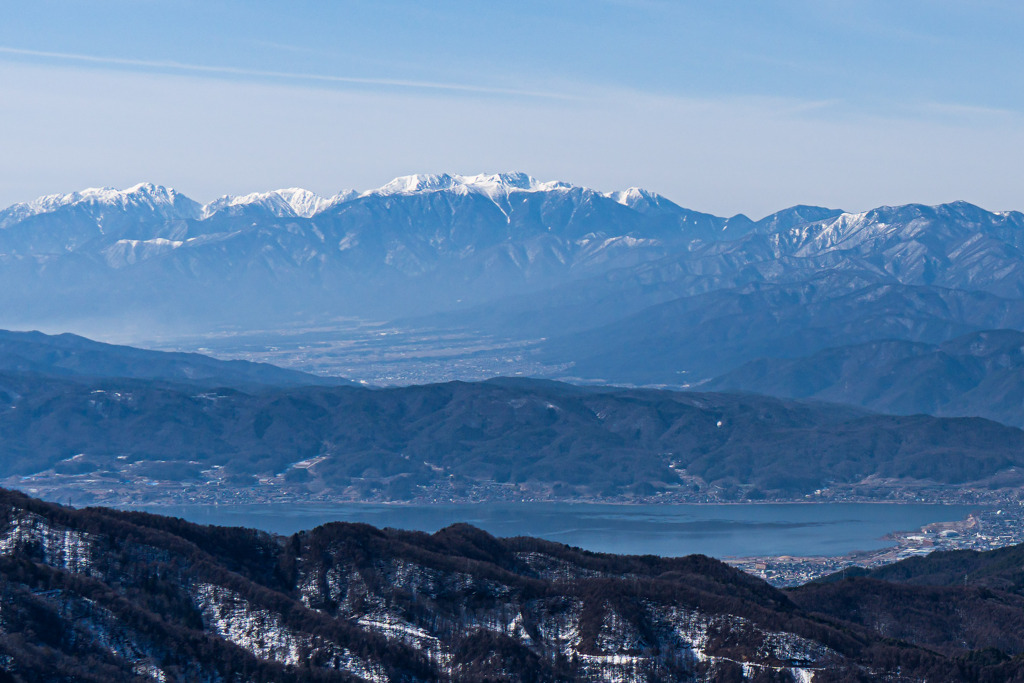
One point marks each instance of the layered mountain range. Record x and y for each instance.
(100, 595)
(916, 273)
(113, 424)
(618, 287)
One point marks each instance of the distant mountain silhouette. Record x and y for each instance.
(979, 374)
(691, 339)
(484, 440)
(73, 357)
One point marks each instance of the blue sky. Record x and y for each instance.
(722, 106)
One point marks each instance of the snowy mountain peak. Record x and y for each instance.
(488, 184)
(633, 196)
(412, 184)
(303, 202)
(142, 193)
(146, 196)
(285, 203)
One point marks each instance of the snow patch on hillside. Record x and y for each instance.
(62, 548)
(265, 634)
(126, 252)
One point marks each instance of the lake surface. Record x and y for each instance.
(827, 529)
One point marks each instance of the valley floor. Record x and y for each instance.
(374, 353)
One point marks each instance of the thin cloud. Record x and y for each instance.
(967, 111)
(754, 155)
(258, 73)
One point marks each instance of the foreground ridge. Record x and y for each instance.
(82, 590)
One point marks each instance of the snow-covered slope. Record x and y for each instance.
(99, 595)
(955, 245)
(143, 199)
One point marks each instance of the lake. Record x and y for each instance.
(828, 529)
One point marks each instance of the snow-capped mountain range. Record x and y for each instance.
(460, 237)
(295, 201)
(535, 258)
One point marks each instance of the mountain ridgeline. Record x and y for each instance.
(79, 359)
(981, 373)
(100, 595)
